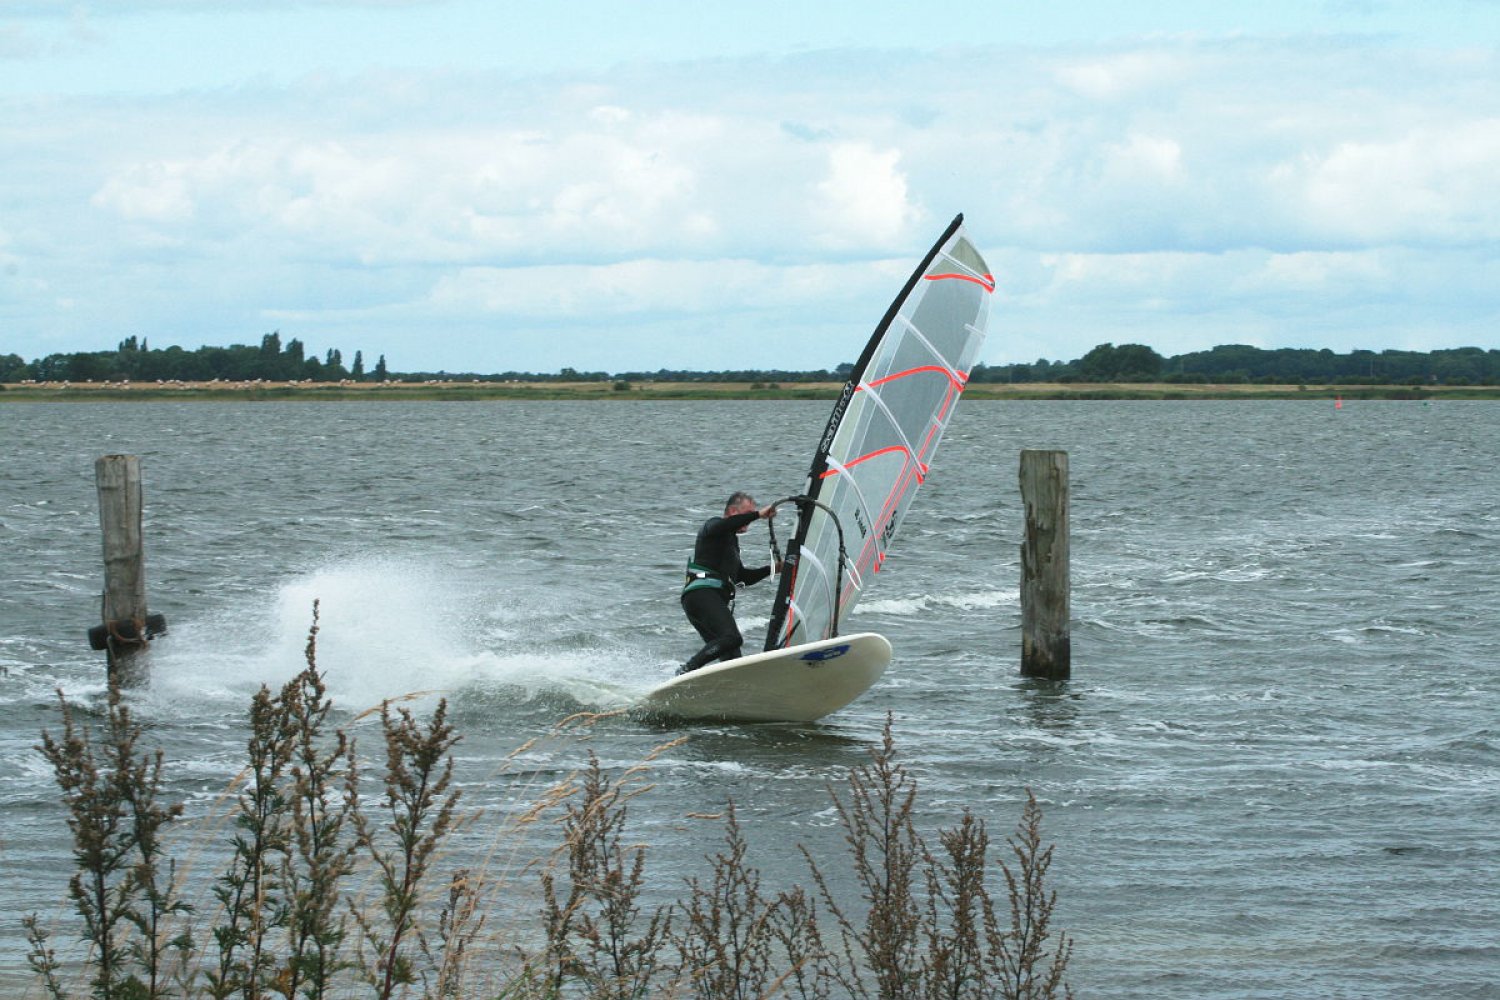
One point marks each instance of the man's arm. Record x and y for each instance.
(730, 523)
(749, 576)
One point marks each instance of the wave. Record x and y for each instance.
(963, 601)
(390, 629)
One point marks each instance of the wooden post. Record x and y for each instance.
(126, 625)
(1046, 643)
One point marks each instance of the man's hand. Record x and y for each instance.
(768, 512)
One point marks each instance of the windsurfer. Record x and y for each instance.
(713, 572)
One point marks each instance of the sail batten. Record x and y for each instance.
(878, 446)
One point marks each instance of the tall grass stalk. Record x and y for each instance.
(420, 808)
(594, 932)
(252, 905)
(111, 791)
(725, 944)
(1019, 960)
(322, 798)
(881, 949)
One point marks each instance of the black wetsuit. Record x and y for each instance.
(709, 589)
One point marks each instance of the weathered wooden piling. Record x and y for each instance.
(1046, 639)
(126, 625)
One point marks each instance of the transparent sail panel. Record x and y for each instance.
(882, 439)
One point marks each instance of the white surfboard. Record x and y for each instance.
(796, 684)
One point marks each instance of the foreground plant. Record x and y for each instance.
(253, 907)
(1019, 959)
(896, 944)
(881, 950)
(737, 943)
(421, 810)
(725, 944)
(594, 931)
(111, 793)
(322, 796)
(307, 850)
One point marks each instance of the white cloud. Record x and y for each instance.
(1119, 75)
(423, 197)
(603, 293)
(1144, 159)
(602, 181)
(1179, 192)
(150, 192)
(1429, 185)
(1294, 275)
(863, 200)
(34, 33)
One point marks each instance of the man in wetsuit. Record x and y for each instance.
(708, 594)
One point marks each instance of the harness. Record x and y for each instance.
(701, 577)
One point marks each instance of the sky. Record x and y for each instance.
(628, 186)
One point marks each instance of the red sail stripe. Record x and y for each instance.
(903, 449)
(987, 282)
(958, 379)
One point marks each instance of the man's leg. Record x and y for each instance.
(710, 615)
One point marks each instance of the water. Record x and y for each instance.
(1276, 772)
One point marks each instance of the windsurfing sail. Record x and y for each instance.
(881, 438)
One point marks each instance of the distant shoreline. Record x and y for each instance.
(76, 392)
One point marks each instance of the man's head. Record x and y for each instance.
(738, 503)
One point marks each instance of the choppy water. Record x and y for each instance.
(1276, 772)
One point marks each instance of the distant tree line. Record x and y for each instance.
(1240, 363)
(135, 361)
(1233, 363)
